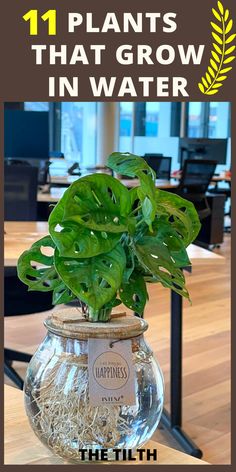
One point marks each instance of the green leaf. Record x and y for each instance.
(229, 26)
(216, 14)
(217, 38)
(200, 86)
(221, 8)
(43, 277)
(230, 39)
(62, 294)
(75, 240)
(147, 195)
(93, 280)
(180, 213)
(99, 202)
(130, 263)
(167, 238)
(134, 293)
(216, 28)
(155, 259)
(129, 164)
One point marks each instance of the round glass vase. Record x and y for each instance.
(57, 392)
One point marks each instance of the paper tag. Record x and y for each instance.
(111, 372)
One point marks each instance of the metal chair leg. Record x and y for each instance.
(12, 374)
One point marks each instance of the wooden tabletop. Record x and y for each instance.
(20, 235)
(23, 447)
(56, 193)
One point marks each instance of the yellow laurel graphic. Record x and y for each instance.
(221, 55)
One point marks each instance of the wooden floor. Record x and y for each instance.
(206, 353)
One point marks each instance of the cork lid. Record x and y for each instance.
(70, 323)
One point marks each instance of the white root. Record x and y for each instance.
(63, 417)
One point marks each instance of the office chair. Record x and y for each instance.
(18, 301)
(196, 177)
(20, 192)
(227, 192)
(20, 204)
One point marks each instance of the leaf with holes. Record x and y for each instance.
(156, 260)
(94, 280)
(62, 294)
(130, 264)
(147, 195)
(134, 293)
(180, 213)
(129, 164)
(166, 235)
(75, 240)
(99, 202)
(36, 269)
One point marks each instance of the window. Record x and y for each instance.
(78, 132)
(144, 128)
(219, 120)
(36, 106)
(208, 120)
(195, 120)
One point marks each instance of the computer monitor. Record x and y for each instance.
(202, 148)
(26, 135)
(160, 164)
(152, 160)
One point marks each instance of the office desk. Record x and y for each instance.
(56, 193)
(215, 179)
(221, 178)
(20, 235)
(23, 447)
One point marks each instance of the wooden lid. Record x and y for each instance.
(70, 323)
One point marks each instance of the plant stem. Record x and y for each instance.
(136, 209)
(222, 57)
(102, 315)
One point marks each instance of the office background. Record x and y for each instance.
(86, 132)
(59, 137)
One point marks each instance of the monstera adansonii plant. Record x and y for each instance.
(108, 242)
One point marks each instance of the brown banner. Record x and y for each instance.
(163, 43)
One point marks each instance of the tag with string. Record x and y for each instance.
(111, 372)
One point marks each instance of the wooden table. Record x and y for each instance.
(23, 447)
(56, 193)
(20, 235)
